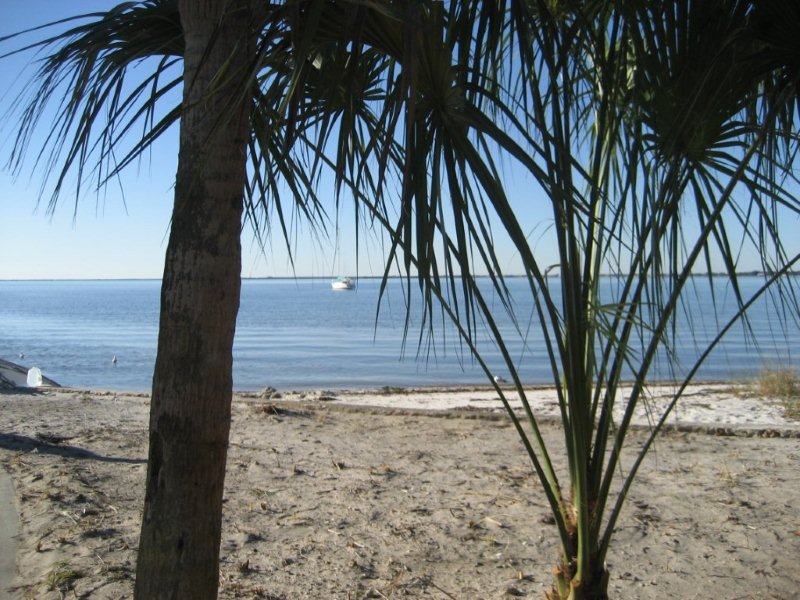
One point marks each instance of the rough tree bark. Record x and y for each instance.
(192, 384)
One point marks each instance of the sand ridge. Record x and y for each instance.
(324, 500)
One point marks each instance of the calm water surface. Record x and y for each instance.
(299, 334)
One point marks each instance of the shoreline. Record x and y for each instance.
(712, 406)
(354, 496)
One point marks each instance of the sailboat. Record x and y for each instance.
(341, 282)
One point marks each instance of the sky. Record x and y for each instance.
(122, 231)
(115, 235)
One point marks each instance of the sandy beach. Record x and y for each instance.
(405, 494)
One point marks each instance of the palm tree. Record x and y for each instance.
(660, 136)
(190, 410)
(192, 383)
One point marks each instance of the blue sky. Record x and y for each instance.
(122, 232)
(103, 236)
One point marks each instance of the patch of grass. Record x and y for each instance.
(792, 408)
(61, 577)
(783, 384)
(117, 572)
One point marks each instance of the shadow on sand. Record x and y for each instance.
(54, 445)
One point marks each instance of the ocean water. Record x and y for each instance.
(300, 334)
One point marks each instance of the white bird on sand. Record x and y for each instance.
(499, 380)
(114, 360)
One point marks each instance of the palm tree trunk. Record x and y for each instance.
(192, 385)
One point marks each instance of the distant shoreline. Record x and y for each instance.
(366, 277)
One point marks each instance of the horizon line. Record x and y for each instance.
(296, 277)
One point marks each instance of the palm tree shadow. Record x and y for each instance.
(51, 445)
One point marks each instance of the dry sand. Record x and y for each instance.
(429, 496)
